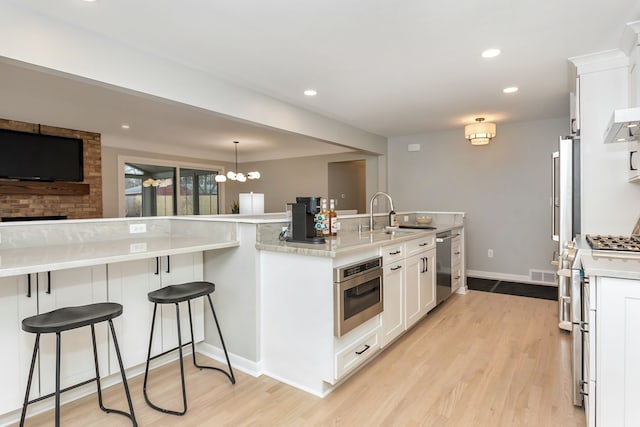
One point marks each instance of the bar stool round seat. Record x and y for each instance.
(65, 319)
(180, 293)
(176, 294)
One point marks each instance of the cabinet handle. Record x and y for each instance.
(584, 327)
(28, 286)
(366, 347)
(457, 253)
(48, 282)
(394, 253)
(422, 244)
(583, 385)
(457, 277)
(157, 266)
(168, 263)
(396, 268)
(426, 264)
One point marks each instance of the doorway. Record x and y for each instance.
(347, 185)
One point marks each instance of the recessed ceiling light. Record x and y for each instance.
(124, 126)
(510, 89)
(310, 92)
(491, 53)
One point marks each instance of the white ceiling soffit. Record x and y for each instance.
(156, 124)
(390, 68)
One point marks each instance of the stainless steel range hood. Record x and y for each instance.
(624, 126)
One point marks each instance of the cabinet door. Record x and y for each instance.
(64, 288)
(129, 284)
(393, 294)
(427, 281)
(617, 352)
(413, 275)
(176, 269)
(15, 305)
(456, 263)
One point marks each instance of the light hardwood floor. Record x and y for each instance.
(481, 359)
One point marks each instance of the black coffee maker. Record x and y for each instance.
(303, 224)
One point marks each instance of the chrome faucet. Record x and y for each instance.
(379, 193)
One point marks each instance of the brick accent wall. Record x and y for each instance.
(74, 207)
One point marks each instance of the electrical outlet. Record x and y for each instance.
(405, 218)
(137, 247)
(490, 253)
(137, 228)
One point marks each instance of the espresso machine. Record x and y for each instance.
(303, 224)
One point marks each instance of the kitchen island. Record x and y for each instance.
(49, 264)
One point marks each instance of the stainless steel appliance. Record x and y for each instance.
(443, 265)
(303, 220)
(358, 294)
(596, 245)
(565, 218)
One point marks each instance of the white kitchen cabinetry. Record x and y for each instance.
(456, 263)
(393, 320)
(409, 285)
(65, 288)
(15, 305)
(615, 352)
(420, 295)
(48, 291)
(129, 284)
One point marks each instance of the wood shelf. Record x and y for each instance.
(44, 188)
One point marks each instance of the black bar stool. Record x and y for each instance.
(176, 294)
(65, 319)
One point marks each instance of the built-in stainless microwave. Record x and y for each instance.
(358, 294)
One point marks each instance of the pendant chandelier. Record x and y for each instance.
(480, 133)
(237, 176)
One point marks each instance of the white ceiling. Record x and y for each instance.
(389, 67)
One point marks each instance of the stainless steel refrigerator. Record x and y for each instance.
(565, 217)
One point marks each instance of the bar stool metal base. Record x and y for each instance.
(229, 374)
(58, 391)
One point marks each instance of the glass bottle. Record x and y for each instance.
(333, 218)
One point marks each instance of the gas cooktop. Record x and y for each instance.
(629, 244)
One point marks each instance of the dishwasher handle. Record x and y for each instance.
(442, 239)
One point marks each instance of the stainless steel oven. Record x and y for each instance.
(357, 294)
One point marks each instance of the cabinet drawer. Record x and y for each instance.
(355, 354)
(392, 253)
(422, 244)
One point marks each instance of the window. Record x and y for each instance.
(198, 192)
(151, 189)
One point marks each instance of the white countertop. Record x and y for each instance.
(347, 241)
(610, 266)
(27, 260)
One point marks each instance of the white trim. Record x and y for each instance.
(506, 277)
(239, 363)
(600, 61)
(122, 159)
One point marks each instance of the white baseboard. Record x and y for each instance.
(506, 277)
(237, 362)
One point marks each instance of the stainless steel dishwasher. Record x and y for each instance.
(443, 265)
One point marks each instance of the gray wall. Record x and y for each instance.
(282, 180)
(504, 188)
(347, 185)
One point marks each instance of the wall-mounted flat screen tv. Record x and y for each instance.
(37, 157)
